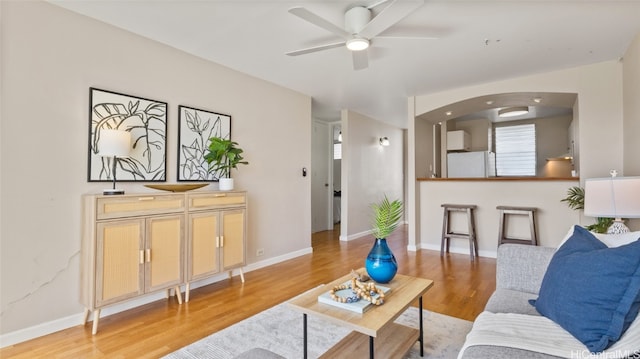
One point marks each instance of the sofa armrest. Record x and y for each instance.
(522, 267)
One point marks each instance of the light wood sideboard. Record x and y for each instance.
(216, 235)
(136, 244)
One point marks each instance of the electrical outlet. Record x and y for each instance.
(260, 252)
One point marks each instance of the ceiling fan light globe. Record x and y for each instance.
(357, 44)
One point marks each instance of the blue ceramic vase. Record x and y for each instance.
(381, 265)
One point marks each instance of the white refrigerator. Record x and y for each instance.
(477, 164)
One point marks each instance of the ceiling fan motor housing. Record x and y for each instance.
(356, 18)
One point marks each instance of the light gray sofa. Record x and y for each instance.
(519, 272)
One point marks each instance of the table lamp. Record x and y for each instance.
(613, 197)
(114, 143)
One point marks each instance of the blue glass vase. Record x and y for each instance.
(381, 265)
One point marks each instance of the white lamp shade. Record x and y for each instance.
(114, 143)
(613, 197)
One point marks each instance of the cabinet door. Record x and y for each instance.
(203, 245)
(119, 264)
(233, 224)
(163, 252)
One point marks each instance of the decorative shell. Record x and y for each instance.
(358, 276)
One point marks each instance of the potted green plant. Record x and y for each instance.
(381, 264)
(223, 155)
(575, 200)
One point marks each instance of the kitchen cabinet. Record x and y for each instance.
(458, 141)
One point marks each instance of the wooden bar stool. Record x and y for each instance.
(527, 211)
(447, 233)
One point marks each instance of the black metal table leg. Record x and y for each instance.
(304, 333)
(421, 339)
(371, 347)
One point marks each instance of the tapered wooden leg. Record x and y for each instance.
(96, 318)
(178, 294)
(241, 275)
(86, 315)
(501, 228)
(444, 240)
(187, 288)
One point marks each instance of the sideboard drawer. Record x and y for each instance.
(216, 200)
(116, 207)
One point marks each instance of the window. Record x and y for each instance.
(337, 151)
(516, 150)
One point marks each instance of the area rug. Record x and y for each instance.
(279, 329)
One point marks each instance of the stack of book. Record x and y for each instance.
(360, 306)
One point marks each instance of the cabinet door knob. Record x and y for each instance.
(217, 242)
(141, 257)
(148, 255)
(220, 195)
(221, 241)
(146, 198)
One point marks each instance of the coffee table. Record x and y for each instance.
(385, 338)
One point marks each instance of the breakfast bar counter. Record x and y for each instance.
(554, 217)
(527, 179)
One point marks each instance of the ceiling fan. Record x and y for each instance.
(359, 29)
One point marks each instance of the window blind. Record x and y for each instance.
(516, 150)
(337, 151)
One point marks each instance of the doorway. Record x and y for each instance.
(326, 166)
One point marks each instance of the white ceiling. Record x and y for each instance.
(477, 41)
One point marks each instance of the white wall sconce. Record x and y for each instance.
(114, 144)
(384, 141)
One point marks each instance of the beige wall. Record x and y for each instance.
(631, 85)
(370, 170)
(50, 57)
(600, 116)
(631, 129)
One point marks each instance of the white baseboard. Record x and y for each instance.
(412, 248)
(355, 236)
(460, 250)
(39, 330)
(53, 326)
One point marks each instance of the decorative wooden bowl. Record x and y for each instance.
(177, 187)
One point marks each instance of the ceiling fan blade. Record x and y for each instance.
(407, 37)
(360, 60)
(377, 3)
(388, 17)
(318, 21)
(315, 49)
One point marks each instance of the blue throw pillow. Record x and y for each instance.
(592, 291)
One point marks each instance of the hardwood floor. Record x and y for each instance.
(461, 289)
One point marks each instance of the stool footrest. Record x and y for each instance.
(457, 235)
(517, 241)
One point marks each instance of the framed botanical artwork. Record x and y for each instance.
(145, 120)
(195, 128)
